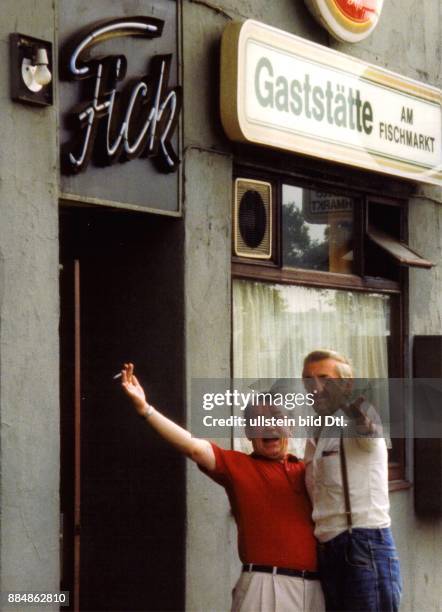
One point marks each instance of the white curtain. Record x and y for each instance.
(276, 326)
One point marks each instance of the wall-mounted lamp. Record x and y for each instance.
(31, 70)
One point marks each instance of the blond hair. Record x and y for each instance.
(344, 368)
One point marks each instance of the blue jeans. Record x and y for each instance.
(360, 572)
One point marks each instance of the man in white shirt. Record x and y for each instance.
(347, 480)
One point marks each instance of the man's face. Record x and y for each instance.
(331, 392)
(270, 448)
(272, 441)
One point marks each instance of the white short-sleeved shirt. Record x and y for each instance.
(367, 467)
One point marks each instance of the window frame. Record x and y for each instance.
(273, 271)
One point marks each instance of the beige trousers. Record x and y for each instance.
(261, 592)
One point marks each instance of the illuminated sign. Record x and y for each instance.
(347, 20)
(284, 92)
(112, 125)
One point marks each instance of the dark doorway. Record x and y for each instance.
(122, 487)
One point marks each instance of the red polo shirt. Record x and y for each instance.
(271, 507)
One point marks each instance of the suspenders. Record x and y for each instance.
(343, 462)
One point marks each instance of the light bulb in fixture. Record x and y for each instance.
(42, 73)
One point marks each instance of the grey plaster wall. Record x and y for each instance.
(211, 559)
(421, 541)
(419, 545)
(407, 40)
(29, 412)
(425, 235)
(211, 562)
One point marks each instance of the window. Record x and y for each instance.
(331, 283)
(317, 230)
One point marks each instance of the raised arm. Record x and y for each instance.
(196, 449)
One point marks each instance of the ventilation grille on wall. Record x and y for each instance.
(252, 219)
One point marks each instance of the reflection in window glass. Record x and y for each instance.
(317, 230)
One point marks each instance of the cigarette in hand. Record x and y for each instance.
(116, 376)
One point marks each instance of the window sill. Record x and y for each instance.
(399, 485)
(333, 280)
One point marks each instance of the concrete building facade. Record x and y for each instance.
(155, 287)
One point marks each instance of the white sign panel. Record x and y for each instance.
(285, 92)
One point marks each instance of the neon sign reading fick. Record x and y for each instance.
(113, 125)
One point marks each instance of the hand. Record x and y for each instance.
(132, 387)
(354, 410)
(364, 425)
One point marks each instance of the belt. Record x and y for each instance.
(284, 571)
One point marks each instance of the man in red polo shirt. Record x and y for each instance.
(271, 508)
